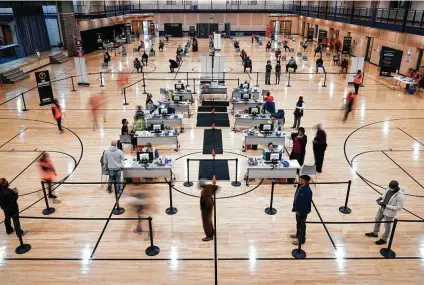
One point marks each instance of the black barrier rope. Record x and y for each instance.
(48, 210)
(22, 248)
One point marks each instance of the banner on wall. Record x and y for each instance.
(310, 34)
(390, 60)
(268, 30)
(78, 46)
(322, 34)
(44, 86)
(347, 43)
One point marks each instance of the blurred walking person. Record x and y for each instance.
(97, 103)
(350, 101)
(57, 114)
(206, 207)
(9, 204)
(319, 147)
(48, 173)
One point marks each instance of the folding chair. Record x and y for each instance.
(291, 49)
(283, 58)
(305, 58)
(299, 54)
(309, 170)
(125, 139)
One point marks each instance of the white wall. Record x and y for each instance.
(53, 31)
(417, 5)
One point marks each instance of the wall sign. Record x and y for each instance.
(347, 42)
(390, 60)
(44, 86)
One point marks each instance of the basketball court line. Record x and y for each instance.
(16, 177)
(411, 136)
(13, 137)
(406, 172)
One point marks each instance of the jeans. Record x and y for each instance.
(296, 123)
(267, 77)
(356, 88)
(115, 176)
(59, 124)
(387, 227)
(277, 77)
(301, 227)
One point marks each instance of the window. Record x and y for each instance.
(171, 2)
(252, 2)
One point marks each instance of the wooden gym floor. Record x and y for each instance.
(383, 141)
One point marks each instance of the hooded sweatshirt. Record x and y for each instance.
(113, 158)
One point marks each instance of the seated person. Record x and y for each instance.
(167, 38)
(172, 65)
(291, 64)
(245, 83)
(161, 45)
(236, 45)
(318, 49)
(179, 49)
(185, 52)
(139, 112)
(269, 148)
(280, 117)
(152, 51)
(269, 98)
(139, 124)
(180, 82)
(274, 122)
(269, 108)
(247, 64)
(268, 46)
(344, 65)
(305, 45)
(148, 147)
(285, 46)
(319, 64)
(149, 103)
(336, 59)
(243, 55)
(144, 58)
(278, 54)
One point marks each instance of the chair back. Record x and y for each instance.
(125, 138)
(308, 170)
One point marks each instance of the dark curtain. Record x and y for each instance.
(174, 29)
(31, 29)
(204, 30)
(89, 37)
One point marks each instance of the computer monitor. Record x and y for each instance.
(156, 127)
(266, 128)
(145, 157)
(179, 87)
(273, 156)
(163, 111)
(245, 96)
(253, 110)
(245, 85)
(177, 98)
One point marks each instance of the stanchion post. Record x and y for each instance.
(152, 250)
(270, 210)
(144, 84)
(388, 252)
(325, 79)
(73, 86)
(363, 77)
(299, 253)
(125, 97)
(48, 210)
(345, 209)
(257, 79)
(236, 183)
(22, 248)
(117, 210)
(23, 102)
(194, 85)
(238, 81)
(215, 245)
(101, 79)
(188, 183)
(288, 83)
(188, 84)
(171, 210)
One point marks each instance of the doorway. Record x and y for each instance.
(368, 51)
(316, 32)
(303, 29)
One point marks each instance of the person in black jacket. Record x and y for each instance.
(268, 46)
(172, 65)
(9, 204)
(302, 207)
(145, 58)
(319, 147)
(277, 72)
(268, 69)
(299, 146)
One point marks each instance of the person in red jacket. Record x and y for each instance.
(57, 114)
(48, 173)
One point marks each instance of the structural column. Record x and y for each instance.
(68, 26)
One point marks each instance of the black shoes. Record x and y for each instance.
(380, 242)
(371, 235)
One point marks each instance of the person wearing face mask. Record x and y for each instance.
(302, 207)
(390, 204)
(299, 146)
(9, 204)
(319, 147)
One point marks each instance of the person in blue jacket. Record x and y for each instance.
(302, 207)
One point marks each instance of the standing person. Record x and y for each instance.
(320, 64)
(247, 64)
(112, 160)
(302, 207)
(206, 207)
(390, 204)
(172, 65)
(124, 128)
(106, 58)
(161, 45)
(357, 80)
(318, 49)
(350, 101)
(9, 204)
(278, 54)
(145, 58)
(299, 146)
(268, 69)
(268, 46)
(298, 112)
(138, 65)
(253, 37)
(319, 147)
(344, 65)
(57, 114)
(95, 104)
(277, 73)
(48, 173)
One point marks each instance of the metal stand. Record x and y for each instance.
(73, 86)
(47, 210)
(288, 83)
(171, 210)
(388, 252)
(101, 80)
(299, 253)
(152, 250)
(144, 85)
(117, 210)
(23, 102)
(325, 79)
(188, 183)
(236, 183)
(345, 209)
(22, 248)
(125, 98)
(270, 210)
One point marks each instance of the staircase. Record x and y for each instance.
(58, 58)
(14, 75)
